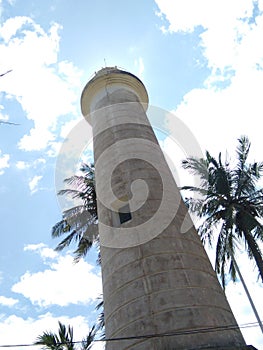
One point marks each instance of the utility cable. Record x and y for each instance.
(151, 336)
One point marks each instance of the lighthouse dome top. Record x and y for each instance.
(107, 70)
(111, 78)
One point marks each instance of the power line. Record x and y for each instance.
(9, 71)
(150, 336)
(9, 123)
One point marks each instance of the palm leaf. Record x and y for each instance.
(87, 342)
(79, 223)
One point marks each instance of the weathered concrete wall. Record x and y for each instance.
(153, 282)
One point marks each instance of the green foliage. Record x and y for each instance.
(64, 339)
(80, 223)
(230, 203)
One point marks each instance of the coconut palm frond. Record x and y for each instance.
(79, 223)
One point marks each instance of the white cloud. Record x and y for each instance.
(21, 165)
(4, 162)
(11, 26)
(7, 301)
(33, 183)
(69, 126)
(230, 35)
(27, 330)
(44, 87)
(37, 139)
(3, 117)
(139, 66)
(63, 283)
(35, 247)
(69, 73)
(218, 117)
(186, 16)
(42, 250)
(230, 103)
(54, 148)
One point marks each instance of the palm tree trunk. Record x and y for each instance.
(255, 251)
(247, 293)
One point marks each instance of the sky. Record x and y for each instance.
(202, 61)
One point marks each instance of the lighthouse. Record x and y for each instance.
(159, 288)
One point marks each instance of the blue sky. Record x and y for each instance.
(202, 60)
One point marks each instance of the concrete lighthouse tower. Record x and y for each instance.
(160, 290)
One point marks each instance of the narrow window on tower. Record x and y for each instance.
(124, 214)
(120, 211)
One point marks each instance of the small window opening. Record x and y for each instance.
(124, 214)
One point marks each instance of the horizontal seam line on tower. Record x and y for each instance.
(153, 255)
(128, 324)
(158, 272)
(198, 243)
(167, 290)
(183, 287)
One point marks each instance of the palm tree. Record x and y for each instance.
(79, 223)
(64, 339)
(101, 319)
(230, 204)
